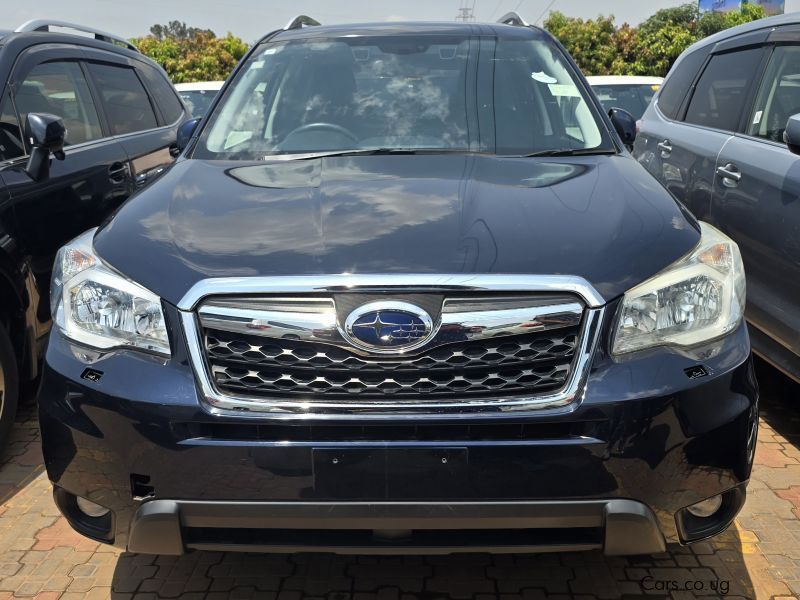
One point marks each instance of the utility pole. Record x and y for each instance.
(466, 12)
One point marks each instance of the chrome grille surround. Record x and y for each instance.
(416, 403)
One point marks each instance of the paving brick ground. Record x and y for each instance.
(758, 558)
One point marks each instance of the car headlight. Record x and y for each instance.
(697, 299)
(94, 305)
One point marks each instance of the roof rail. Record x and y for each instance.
(301, 21)
(46, 24)
(513, 18)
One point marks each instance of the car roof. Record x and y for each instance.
(623, 80)
(409, 27)
(766, 23)
(44, 37)
(198, 86)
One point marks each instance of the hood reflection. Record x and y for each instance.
(594, 217)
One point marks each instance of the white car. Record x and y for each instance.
(632, 93)
(198, 95)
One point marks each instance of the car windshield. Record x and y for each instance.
(404, 93)
(198, 101)
(631, 97)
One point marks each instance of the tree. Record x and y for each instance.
(658, 49)
(747, 13)
(663, 37)
(590, 41)
(176, 30)
(600, 48)
(710, 23)
(192, 54)
(680, 16)
(626, 45)
(714, 22)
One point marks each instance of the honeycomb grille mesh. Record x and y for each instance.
(535, 363)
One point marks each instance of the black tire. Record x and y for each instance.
(9, 387)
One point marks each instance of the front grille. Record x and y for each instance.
(531, 364)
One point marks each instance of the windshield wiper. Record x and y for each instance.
(571, 152)
(366, 152)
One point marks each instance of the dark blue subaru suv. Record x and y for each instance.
(405, 290)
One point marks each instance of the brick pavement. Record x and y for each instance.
(758, 558)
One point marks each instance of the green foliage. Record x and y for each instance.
(601, 48)
(597, 45)
(681, 16)
(711, 23)
(658, 49)
(191, 54)
(749, 12)
(177, 30)
(590, 42)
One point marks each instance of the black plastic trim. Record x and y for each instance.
(694, 529)
(619, 526)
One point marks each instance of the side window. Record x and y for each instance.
(59, 88)
(164, 95)
(721, 92)
(10, 133)
(779, 96)
(678, 83)
(126, 103)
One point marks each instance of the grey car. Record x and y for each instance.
(722, 136)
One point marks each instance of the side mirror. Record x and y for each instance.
(625, 125)
(792, 134)
(45, 133)
(185, 132)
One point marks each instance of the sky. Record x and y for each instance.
(250, 19)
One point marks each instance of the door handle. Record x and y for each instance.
(666, 148)
(117, 172)
(730, 175)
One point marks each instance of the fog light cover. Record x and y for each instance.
(90, 509)
(706, 508)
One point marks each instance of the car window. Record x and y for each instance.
(198, 101)
(407, 92)
(779, 96)
(631, 97)
(59, 88)
(721, 92)
(163, 93)
(125, 100)
(11, 145)
(679, 82)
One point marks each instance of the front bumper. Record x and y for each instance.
(614, 471)
(618, 526)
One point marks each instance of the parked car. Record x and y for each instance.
(387, 299)
(198, 96)
(722, 136)
(110, 117)
(630, 92)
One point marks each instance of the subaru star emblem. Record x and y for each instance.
(388, 326)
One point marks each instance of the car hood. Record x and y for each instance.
(602, 218)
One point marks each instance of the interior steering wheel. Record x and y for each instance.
(320, 126)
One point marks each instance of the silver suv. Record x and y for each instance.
(723, 137)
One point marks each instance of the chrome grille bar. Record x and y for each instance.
(402, 283)
(315, 319)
